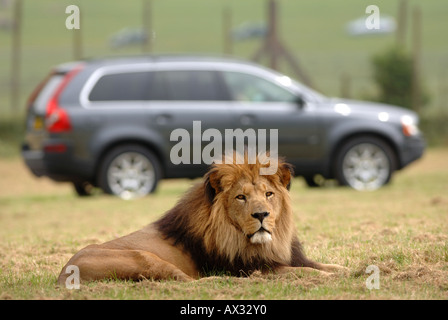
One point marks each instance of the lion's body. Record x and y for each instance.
(236, 222)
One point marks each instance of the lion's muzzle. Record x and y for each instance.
(260, 215)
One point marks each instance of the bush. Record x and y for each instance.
(434, 128)
(393, 76)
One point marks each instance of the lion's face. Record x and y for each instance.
(253, 207)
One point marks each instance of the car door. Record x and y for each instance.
(185, 102)
(260, 103)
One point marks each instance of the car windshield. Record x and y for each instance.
(300, 89)
(308, 93)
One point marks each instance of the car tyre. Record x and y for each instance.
(311, 181)
(129, 171)
(83, 189)
(365, 163)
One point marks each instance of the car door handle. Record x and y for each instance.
(163, 119)
(247, 119)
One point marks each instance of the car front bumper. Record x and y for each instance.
(412, 149)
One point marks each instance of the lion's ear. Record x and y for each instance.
(211, 185)
(286, 173)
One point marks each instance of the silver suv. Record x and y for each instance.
(108, 123)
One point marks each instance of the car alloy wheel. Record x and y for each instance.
(365, 164)
(130, 172)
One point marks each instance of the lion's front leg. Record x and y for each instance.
(96, 263)
(317, 268)
(301, 271)
(332, 268)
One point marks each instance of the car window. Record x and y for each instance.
(182, 85)
(247, 87)
(187, 85)
(121, 87)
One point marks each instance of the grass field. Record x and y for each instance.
(402, 229)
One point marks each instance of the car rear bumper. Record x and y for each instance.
(34, 160)
(58, 166)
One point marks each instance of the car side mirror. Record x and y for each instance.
(300, 102)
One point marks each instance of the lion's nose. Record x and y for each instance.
(260, 215)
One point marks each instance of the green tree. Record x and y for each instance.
(392, 71)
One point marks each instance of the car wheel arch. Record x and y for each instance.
(130, 141)
(366, 134)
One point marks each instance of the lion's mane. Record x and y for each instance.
(200, 225)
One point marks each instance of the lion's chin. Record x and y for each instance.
(261, 237)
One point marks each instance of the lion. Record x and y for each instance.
(235, 222)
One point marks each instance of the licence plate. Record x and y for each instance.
(38, 123)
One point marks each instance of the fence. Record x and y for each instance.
(341, 68)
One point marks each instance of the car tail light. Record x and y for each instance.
(56, 118)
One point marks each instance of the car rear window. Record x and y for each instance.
(121, 87)
(187, 85)
(170, 85)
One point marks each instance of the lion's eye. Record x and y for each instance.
(269, 194)
(241, 197)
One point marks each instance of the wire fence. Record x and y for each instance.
(46, 41)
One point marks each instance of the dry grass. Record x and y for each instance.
(402, 229)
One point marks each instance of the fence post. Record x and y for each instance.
(147, 27)
(226, 26)
(416, 56)
(16, 56)
(77, 40)
(345, 85)
(402, 23)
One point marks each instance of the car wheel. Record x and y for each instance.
(365, 163)
(129, 171)
(311, 181)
